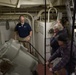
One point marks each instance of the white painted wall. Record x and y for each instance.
(6, 34)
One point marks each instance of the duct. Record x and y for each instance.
(23, 62)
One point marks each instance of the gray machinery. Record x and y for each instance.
(23, 63)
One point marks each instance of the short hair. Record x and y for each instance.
(21, 16)
(61, 38)
(58, 26)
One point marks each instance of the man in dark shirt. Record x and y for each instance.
(23, 31)
(64, 52)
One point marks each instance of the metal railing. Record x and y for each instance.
(30, 45)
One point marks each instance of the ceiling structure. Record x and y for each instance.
(22, 3)
(7, 6)
(29, 6)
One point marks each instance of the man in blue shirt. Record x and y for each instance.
(23, 31)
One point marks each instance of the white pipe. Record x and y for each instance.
(30, 25)
(39, 14)
(28, 21)
(33, 42)
(49, 13)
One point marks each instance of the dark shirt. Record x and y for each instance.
(23, 30)
(63, 33)
(54, 44)
(65, 57)
(53, 41)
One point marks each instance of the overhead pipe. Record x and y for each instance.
(39, 14)
(17, 3)
(28, 20)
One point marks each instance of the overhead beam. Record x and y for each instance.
(7, 4)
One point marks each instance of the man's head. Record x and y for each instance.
(58, 27)
(22, 19)
(61, 40)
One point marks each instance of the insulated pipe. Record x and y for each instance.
(28, 15)
(28, 20)
(39, 14)
(49, 13)
(29, 24)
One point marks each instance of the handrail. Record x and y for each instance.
(49, 13)
(34, 49)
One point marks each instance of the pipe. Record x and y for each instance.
(32, 22)
(39, 14)
(49, 13)
(28, 20)
(17, 3)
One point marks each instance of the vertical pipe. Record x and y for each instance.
(72, 38)
(49, 13)
(45, 43)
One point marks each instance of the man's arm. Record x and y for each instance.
(62, 62)
(55, 55)
(30, 33)
(30, 30)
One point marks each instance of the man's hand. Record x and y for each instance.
(50, 69)
(55, 72)
(48, 63)
(28, 38)
(54, 34)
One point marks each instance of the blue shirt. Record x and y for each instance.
(23, 30)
